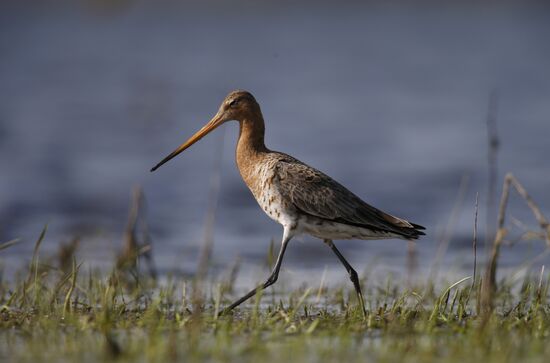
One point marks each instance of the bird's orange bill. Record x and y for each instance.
(211, 125)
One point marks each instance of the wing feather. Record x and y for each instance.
(317, 194)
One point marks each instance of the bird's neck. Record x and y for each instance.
(251, 137)
(250, 146)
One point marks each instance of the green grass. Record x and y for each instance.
(48, 314)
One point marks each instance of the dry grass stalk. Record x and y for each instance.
(489, 281)
(474, 245)
(65, 255)
(74, 275)
(137, 240)
(33, 268)
(494, 143)
(539, 286)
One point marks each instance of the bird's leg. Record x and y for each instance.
(352, 274)
(272, 278)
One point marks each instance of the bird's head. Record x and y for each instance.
(238, 105)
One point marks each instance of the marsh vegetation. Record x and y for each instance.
(55, 311)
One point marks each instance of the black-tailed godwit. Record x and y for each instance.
(302, 199)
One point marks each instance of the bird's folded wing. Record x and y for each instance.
(316, 194)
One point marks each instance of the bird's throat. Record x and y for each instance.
(250, 147)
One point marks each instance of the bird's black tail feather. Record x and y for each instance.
(415, 232)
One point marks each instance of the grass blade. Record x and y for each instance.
(8, 244)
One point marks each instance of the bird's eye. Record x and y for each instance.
(233, 103)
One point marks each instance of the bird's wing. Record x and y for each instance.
(317, 194)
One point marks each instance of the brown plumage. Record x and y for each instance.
(302, 199)
(318, 195)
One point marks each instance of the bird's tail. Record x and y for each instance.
(414, 232)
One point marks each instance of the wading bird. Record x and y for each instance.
(302, 199)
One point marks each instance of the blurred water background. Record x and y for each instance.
(391, 99)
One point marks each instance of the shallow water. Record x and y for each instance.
(389, 100)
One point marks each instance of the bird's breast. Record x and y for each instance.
(261, 180)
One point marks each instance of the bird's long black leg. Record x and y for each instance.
(270, 281)
(352, 274)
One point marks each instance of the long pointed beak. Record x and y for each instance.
(211, 125)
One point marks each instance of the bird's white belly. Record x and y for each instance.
(271, 202)
(324, 229)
